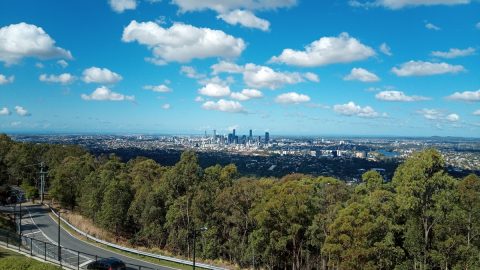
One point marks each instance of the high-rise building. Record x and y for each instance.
(215, 134)
(251, 134)
(233, 133)
(267, 137)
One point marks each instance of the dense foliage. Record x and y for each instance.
(422, 219)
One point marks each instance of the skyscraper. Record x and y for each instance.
(267, 137)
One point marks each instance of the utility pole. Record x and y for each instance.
(59, 247)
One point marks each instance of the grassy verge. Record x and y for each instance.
(132, 255)
(13, 261)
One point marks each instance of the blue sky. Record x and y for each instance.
(293, 67)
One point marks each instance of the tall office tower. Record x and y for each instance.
(233, 133)
(215, 134)
(267, 137)
(250, 137)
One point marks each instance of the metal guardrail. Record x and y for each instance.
(135, 251)
(48, 252)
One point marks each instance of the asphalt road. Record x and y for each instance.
(38, 224)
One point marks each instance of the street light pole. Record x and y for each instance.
(194, 244)
(59, 248)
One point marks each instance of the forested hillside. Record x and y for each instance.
(422, 219)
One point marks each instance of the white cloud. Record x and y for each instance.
(4, 79)
(257, 76)
(421, 68)
(454, 53)
(214, 90)
(246, 94)
(162, 88)
(4, 111)
(62, 63)
(477, 112)
(224, 106)
(120, 6)
(222, 6)
(100, 75)
(264, 77)
(400, 96)
(398, 4)
(166, 106)
(190, 72)
(183, 42)
(21, 111)
(478, 25)
(453, 117)
(352, 109)
(245, 18)
(226, 67)
(438, 115)
(432, 26)
(326, 50)
(26, 40)
(311, 77)
(39, 65)
(363, 75)
(103, 93)
(64, 78)
(292, 98)
(199, 99)
(468, 96)
(385, 49)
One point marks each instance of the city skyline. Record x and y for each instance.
(286, 67)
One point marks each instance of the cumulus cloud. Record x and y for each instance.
(454, 53)
(477, 112)
(100, 75)
(438, 115)
(22, 40)
(4, 79)
(62, 63)
(326, 50)
(352, 109)
(453, 117)
(221, 6)
(183, 42)
(399, 4)
(224, 106)
(292, 98)
(363, 75)
(399, 96)
(264, 77)
(166, 106)
(431, 26)
(120, 6)
(468, 96)
(199, 99)
(385, 49)
(104, 94)
(245, 18)
(191, 72)
(64, 78)
(162, 88)
(421, 68)
(4, 111)
(214, 90)
(257, 76)
(226, 67)
(246, 94)
(21, 111)
(311, 77)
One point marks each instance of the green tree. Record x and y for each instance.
(420, 184)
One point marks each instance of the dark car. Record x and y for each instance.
(107, 264)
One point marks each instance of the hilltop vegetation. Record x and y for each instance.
(422, 219)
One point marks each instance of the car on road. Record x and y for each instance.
(107, 264)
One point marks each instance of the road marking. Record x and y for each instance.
(123, 255)
(35, 232)
(85, 263)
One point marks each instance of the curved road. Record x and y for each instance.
(38, 224)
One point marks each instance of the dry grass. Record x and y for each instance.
(86, 225)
